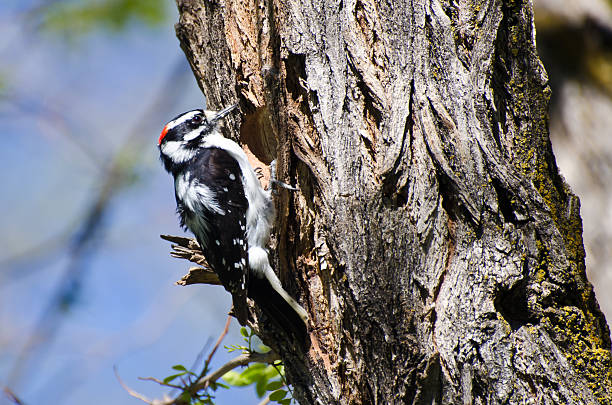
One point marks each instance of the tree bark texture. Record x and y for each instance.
(433, 242)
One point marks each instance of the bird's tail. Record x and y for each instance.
(278, 305)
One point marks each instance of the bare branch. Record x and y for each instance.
(189, 249)
(160, 382)
(14, 398)
(187, 243)
(199, 275)
(242, 360)
(131, 391)
(204, 382)
(225, 330)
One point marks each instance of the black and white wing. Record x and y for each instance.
(212, 204)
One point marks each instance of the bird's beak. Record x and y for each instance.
(223, 113)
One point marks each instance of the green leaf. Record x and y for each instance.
(270, 372)
(233, 348)
(255, 367)
(214, 385)
(254, 373)
(277, 395)
(235, 379)
(244, 332)
(113, 15)
(180, 367)
(172, 377)
(286, 401)
(260, 387)
(274, 385)
(263, 348)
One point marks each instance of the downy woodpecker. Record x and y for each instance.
(220, 199)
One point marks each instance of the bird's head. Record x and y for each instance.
(181, 137)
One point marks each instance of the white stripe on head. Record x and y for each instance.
(183, 118)
(192, 134)
(177, 152)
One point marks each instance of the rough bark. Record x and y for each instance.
(433, 242)
(575, 44)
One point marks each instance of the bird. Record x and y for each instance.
(220, 200)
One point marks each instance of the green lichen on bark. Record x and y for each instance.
(573, 320)
(571, 329)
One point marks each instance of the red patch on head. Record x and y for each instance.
(164, 132)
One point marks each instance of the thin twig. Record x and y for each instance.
(282, 377)
(131, 391)
(265, 401)
(242, 360)
(204, 382)
(225, 330)
(12, 396)
(160, 382)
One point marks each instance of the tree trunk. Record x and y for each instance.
(433, 242)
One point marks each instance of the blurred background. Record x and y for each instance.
(85, 281)
(86, 284)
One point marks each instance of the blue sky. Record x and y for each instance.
(66, 110)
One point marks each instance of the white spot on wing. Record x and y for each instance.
(196, 195)
(260, 211)
(232, 177)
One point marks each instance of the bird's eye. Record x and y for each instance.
(196, 120)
